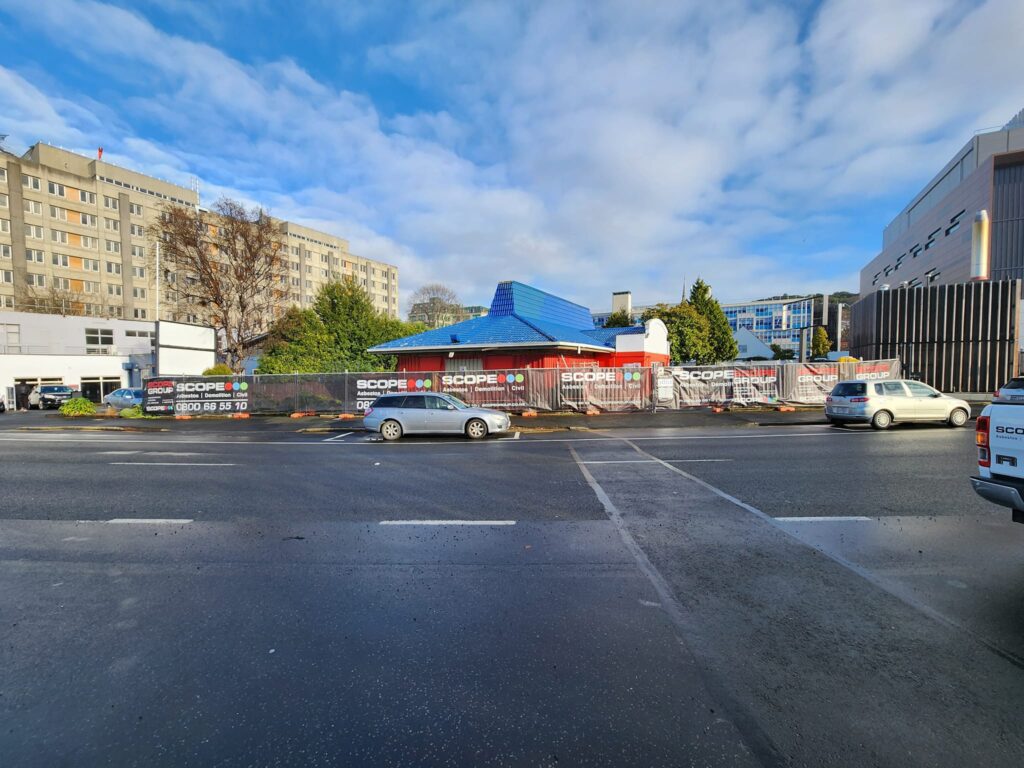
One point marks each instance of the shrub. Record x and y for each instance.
(135, 412)
(220, 369)
(77, 406)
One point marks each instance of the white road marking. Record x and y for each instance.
(143, 521)
(118, 453)
(652, 461)
(337, 437)
(837, 519)
(166, 464)
(447, 522)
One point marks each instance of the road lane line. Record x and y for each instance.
(165, 464)
(447, 522)
(864, 573)
(836, 519)
(745, 723)
(652, 461)
(144, 521)
(337, 437)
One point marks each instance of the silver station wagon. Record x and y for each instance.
(880, 403)
(422, 413)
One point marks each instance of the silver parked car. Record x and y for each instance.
(880, 403)
(123, 398)
(420, 412)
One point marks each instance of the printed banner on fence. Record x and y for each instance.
(577, 389)
(195, 396)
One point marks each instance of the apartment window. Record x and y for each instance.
(139, 293)
(5, 251)
(112, 224)
(34, 231)
(115, 311)
(138, 252)
(62, 283)
(139, 314)
(59, 237)
(7, 301)
(113, 246)
(954, 223)
(294, 265)
(309, 270)
(91, 265)
(99, 337)
(87, 197)
(135, 209)
(323, 258)
(6, 276)
(34, 254)
(4, 203)
(323, 273)
(295, 250)
(32, 206)
(111, 203)
(57, 189)
(309, 283)
(5, 225)
(89, 242)
(138, 230)
(31, 182)
(39, 281)
(59, 260)
(88, 220)
(114, 290)
(60, 214)
(90, 286)
(113, 268)
(3, 174)
(296, 282)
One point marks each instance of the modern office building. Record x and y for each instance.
(773, 321)
(929, 242)
(74, 236)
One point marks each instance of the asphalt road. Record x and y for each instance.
(751, 596)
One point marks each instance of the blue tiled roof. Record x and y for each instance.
(519, 315)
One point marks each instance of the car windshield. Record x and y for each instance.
(456, 402)
(849, 389)
(55, 390)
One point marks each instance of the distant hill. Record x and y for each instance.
(839, 297)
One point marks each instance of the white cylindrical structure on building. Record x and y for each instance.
(979, 247)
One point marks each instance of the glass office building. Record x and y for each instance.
(773, 321)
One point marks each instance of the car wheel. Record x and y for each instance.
(476, 429)
(958, 417)
(881, 420)
(391, 430)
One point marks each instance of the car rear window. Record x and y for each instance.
(849, 389)
(388, 401)
(1014, 384)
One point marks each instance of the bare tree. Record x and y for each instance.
(226, 266)
(434, 304)
(50, 301)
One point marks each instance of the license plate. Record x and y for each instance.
(840, 410)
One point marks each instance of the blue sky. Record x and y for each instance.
(584, 146)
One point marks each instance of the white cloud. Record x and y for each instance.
(586, 146)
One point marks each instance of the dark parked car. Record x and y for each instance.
(49, 396)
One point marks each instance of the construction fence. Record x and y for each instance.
(560, 389)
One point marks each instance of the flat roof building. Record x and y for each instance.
(73, 236)
(929, 241)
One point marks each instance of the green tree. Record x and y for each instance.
(220, 369)
(821, 345)
(778, 353)
(618, 319)
(688, 332)
(298, 343)
(720, 338)
(334, 335)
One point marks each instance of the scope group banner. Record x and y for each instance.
(563, 389)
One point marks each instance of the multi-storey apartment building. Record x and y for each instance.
(74, 234)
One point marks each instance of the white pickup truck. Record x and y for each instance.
(1000, 438)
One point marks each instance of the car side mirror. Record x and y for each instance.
(450, 407)
(937, 394)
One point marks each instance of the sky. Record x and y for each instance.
(582, 146)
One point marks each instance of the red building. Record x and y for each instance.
(528, 328)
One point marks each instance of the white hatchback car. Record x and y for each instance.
(880, 403)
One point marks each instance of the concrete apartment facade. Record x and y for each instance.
(929, 242)
(74, 229)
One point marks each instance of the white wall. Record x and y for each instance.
(654, 339)
(70, 369)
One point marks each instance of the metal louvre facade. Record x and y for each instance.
(962, 337)
(542, 389)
